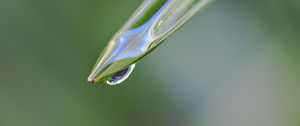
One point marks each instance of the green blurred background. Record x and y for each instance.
(236, 64)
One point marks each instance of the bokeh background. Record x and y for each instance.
(236, 64)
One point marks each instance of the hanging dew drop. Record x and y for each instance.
(120, 76)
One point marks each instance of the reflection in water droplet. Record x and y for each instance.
(120, 76)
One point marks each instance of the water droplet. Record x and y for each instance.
(120, 76)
